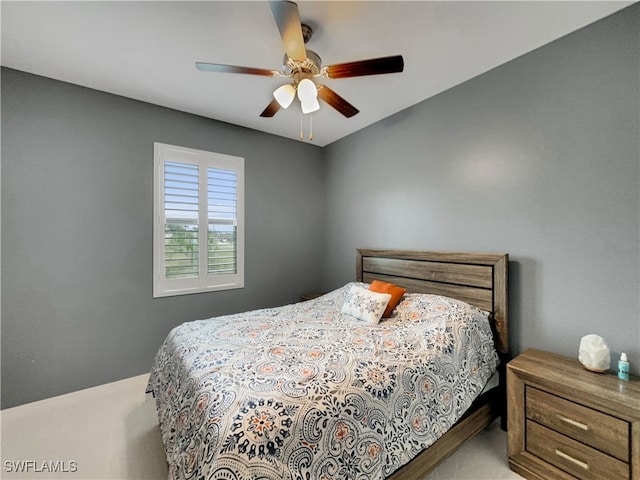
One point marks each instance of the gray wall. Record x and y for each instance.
(77, 171)
(539, 158)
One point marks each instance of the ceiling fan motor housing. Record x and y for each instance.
(308, 68)
(307, 32)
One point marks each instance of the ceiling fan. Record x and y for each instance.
(302, 66)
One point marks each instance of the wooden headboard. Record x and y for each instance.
(476, 278)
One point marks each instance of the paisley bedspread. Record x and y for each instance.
(305, 392)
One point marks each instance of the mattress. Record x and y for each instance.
(304, 391)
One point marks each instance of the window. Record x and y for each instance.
(198, 227)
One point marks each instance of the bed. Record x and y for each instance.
(307, 391)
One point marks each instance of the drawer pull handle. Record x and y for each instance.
(574, 423)
(572, 460)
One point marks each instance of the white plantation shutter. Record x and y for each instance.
(181, 220)
(198, 221)
(222, 221)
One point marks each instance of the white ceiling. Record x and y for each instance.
(146, 50)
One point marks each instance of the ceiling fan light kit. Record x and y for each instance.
(302, 66)
(308, 95)
(285, 95)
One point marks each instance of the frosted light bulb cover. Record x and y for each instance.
(310, 105)
(284, 95)
(307, 90)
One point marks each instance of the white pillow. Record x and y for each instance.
(364, 304)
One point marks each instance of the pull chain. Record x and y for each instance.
(310, 128)
(301, 134)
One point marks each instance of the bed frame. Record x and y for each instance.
(476, 278)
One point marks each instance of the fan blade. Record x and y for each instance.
(271, 109)
(220, 68)
(287, 18)
(336, 101)
(374, 66)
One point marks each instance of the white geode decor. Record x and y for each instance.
(594, 353)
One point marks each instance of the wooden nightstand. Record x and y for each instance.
(565, 422)
(310, 296)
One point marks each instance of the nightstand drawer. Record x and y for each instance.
(599, 430)
(573, 457)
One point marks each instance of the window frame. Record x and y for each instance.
(203, 282)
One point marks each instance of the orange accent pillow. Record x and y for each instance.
(395, 291)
